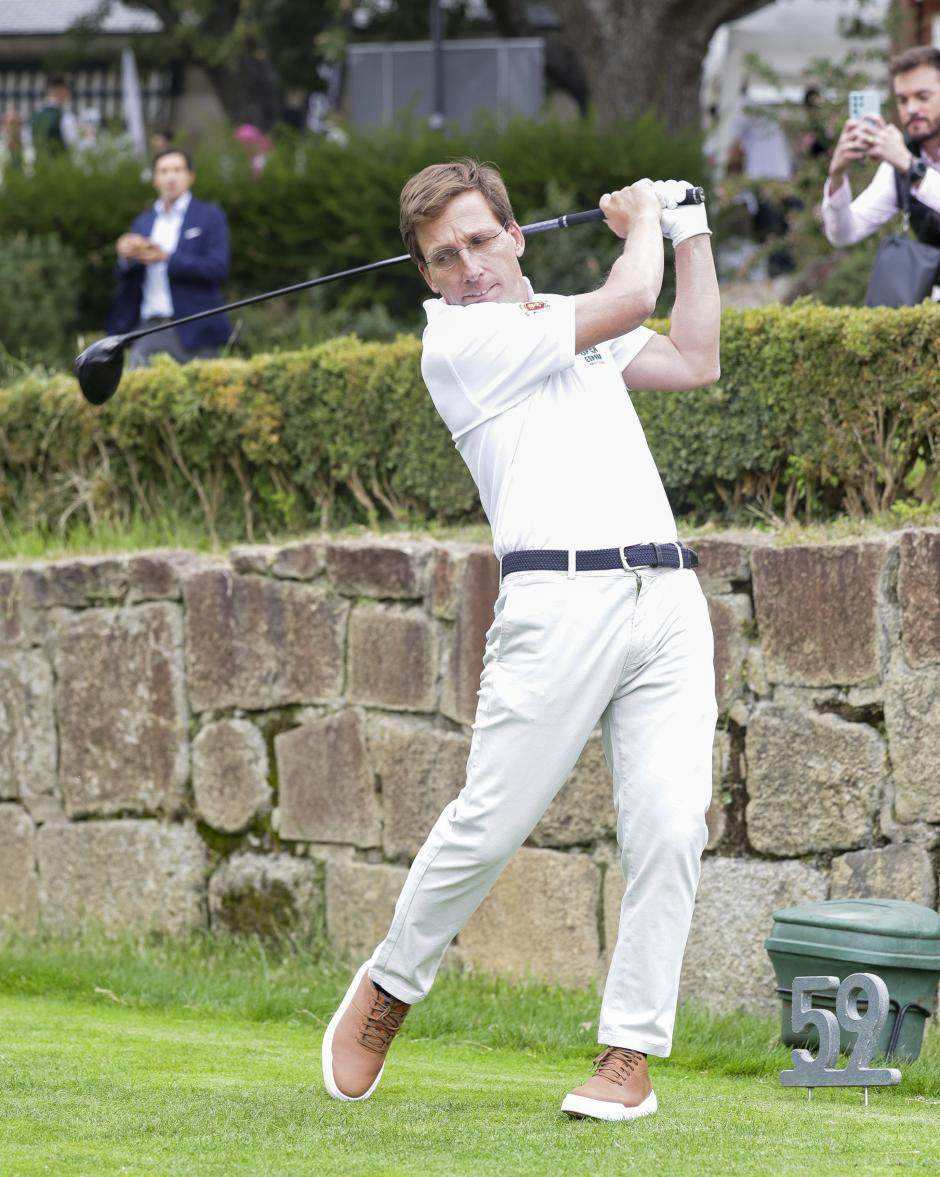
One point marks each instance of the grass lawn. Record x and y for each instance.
(203, 1058)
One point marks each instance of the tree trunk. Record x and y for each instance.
(249, 90)
(642, 55)
(562, 66)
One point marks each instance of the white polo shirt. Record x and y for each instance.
(550, 436)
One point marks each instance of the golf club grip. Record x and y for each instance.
(569, 220)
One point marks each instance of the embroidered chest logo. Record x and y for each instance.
(591, 355)
(530, 308)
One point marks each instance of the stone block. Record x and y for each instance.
(156, 576)
(716, 818)
(893, 872)
(252, 559)
(444, 574)
(916, 833)
(44, 807)
(12, 620)
(918, 577)
(19, 882)
(27, 725)
(76, 584)
(371, 568)
(731, 615)
(479, 586)
(583, 811)
(912, 721)
(267, 895)
(726, 966)
(126, 875)
(817, 612)
(725, 559)
(392, 658)
(326, 792)
(756, 672)
(305, 560)
(539, 921)
(360, 903)
(815, 781)
(258, 643)
(421, 770)
(449, 565)
(230, 774)
(121, 706)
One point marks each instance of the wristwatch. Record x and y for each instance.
(917, 171)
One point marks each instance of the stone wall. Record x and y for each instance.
(262, 742)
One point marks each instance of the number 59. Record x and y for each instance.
(821, 1070)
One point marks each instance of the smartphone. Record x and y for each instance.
(864, 104)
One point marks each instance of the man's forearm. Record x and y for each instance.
(630, 292)
(642, 258)
(695, 327)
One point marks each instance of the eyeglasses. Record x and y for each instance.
(480, 244)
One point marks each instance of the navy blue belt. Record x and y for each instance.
(600, 559)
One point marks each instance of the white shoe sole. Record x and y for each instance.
(326, 1053)
(579, 1107)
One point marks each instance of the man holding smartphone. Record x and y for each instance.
(911, 153)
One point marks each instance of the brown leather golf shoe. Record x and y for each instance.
(619, 1089)
(358, 1037)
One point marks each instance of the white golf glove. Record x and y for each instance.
(679, 222)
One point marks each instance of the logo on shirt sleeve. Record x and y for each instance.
(530, 308)
(591, 355)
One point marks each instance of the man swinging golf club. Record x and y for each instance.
(599, 616)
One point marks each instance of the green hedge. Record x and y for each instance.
(818, 411)
(38, 297)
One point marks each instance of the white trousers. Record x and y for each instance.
(562, 653)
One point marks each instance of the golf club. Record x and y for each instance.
(100, 366)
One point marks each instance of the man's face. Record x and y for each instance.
(490, 273)
(172, 177)
(917, 94)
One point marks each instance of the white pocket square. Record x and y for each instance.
(194, 232)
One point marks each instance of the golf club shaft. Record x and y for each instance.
(568, 220)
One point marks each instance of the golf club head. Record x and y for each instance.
(99, 368)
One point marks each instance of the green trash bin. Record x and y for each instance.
(898, 941)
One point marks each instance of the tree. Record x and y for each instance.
(640, 54)
(252, 50)
(630, 54)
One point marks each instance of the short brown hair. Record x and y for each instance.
(428, 193)
(173, 151)
(913, 59)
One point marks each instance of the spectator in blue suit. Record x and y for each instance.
(171, 264)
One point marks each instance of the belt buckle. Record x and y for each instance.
(633, 567)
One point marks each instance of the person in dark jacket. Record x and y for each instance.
(171, 264)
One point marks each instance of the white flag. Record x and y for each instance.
(132, 102)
